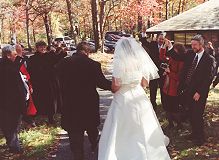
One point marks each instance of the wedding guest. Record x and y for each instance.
(79, 76)
(211, 51)
(195, 84)
(13, 96)
(45, 84)
(171, 85)
(31, 108)
(154, 51)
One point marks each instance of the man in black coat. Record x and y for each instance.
(153, 49)
(79, 76)
(194, 84)
(41, 67)
(12, 98)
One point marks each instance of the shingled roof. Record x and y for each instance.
(202, 17)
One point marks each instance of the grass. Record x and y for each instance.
(181, 149)
(37, 142)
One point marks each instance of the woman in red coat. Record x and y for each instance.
(171, 85)
(31, 109)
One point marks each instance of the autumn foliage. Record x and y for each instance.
(30, 20)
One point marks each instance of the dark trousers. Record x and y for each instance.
(9, 125)
(196, 111)
(76, 138)
(28, 119)
(153, 86)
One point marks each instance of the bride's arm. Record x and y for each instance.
(144, 83)
(115, 85)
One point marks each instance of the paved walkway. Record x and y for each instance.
(64, 152)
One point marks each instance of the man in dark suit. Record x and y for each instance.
(12, 98)
(79, 76)
(41, 67)
(194, 84)
(153, 49)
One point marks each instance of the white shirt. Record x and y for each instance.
(199, 56)
(25, 86)
(143, 34)
(160, 46)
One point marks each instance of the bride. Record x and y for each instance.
(131, 130)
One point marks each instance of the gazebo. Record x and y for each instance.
(202, 19)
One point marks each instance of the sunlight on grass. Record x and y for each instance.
(181, 149)
(213, 98)
(2, 141)
(37, 140)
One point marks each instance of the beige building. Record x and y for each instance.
(202, 19)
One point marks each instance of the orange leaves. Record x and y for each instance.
(130, 11)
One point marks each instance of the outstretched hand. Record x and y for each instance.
(167, 42)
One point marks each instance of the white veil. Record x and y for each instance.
(131, 58)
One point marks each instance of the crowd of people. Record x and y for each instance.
(47, 83)
(185, 79)
(29, 86)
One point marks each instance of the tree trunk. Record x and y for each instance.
(167, 3)
(139, 23)
(173, 8)
(27, 24)
(139, 19)
(70, 17)
(34, 35)
(101, 15)
(116, 27)
(50, 24)
(120, 24)
(2, 36)
(183, 5)
(46, 23)
(102, 25)
(95, 24)
(149, 22)
(179, 8)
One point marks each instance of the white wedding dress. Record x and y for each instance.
(131, 130)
